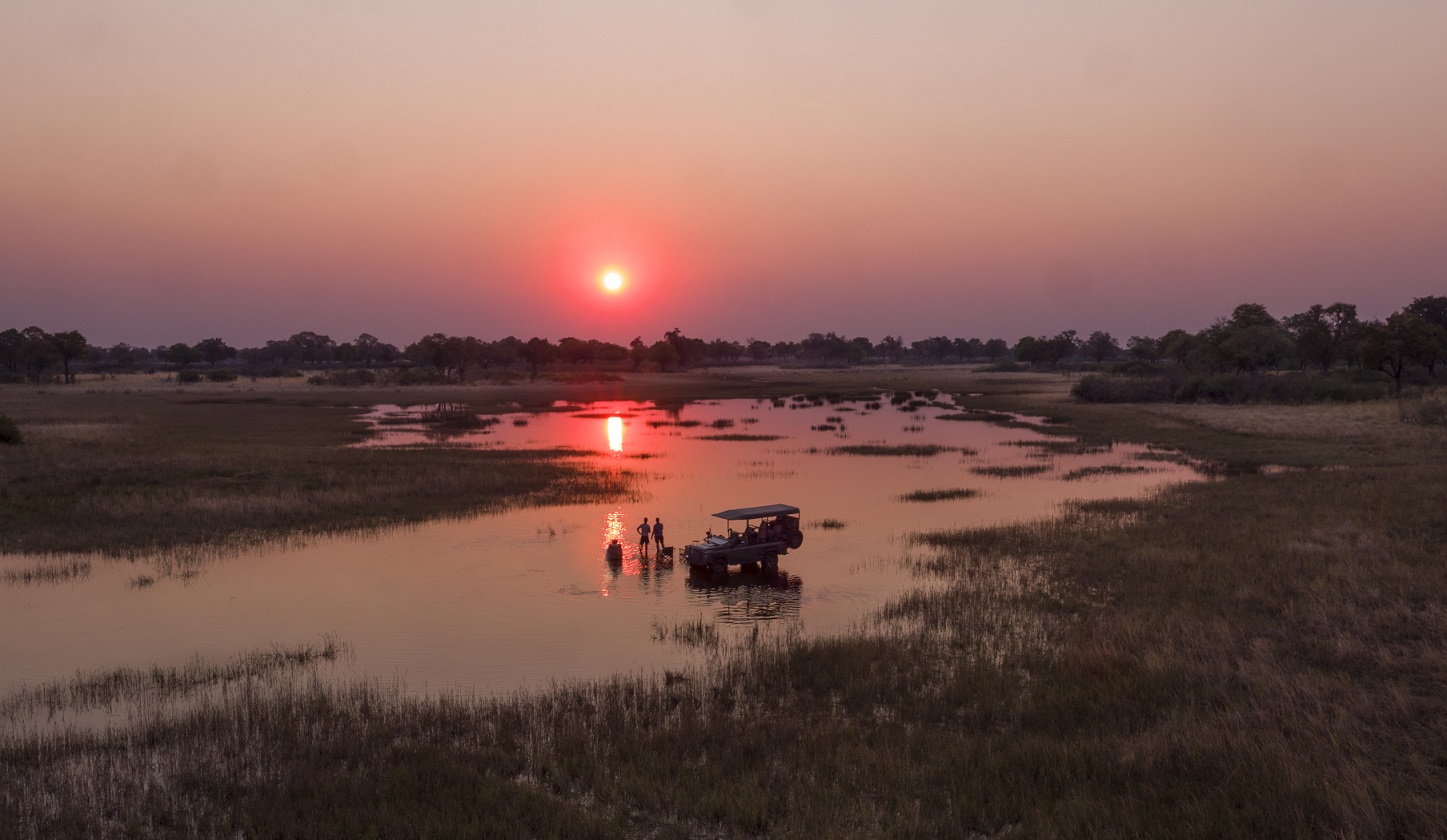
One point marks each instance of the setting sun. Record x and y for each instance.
(613, 280)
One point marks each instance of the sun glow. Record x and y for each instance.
(615, 434)
(613, 280)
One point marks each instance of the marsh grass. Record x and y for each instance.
(1012, 471)
(160, 475)
(56, 571)
(1103, 470)
(944, 495)
(695, 634)
(739, 436)
(108, 689)
(829, 523)
(904, 450)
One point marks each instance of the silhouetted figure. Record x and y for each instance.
(643, 532)
(658, 533)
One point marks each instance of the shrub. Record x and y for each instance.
(1101, 388)
(221, 375)
(8, 377)
(9, 432)
(188, 377)
(1430, 410)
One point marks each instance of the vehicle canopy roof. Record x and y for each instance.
(760, 512)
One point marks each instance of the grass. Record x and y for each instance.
(905, 450)
(130, 474)
(1107, 469)
(1012, 471)
(1130, 668)
(47, 572)
(939, 495)
(739, 436)
(696, 633)
(830, 524)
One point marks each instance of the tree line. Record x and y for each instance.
(1250, 339)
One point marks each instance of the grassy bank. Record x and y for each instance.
(124, 474)
(1254, 656)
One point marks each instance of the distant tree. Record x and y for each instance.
(430, 351)
(1255, 347)
(1143, 348)
(638, 352)
(182, 355)
(664, 353)
(313, 348)
(760, 350)
(725, 350)
(505, 351)
(69, 346)
(1403, 340)
(1030, 350)
(995, 348)
(891, 347)
(282, 351)
(537, 352)
(368, 349)
(10, 342)
(215, 350)
(1064, 345)
(573, 351)
(1101, 346)
(1432, 310)
(690, 350)
(934, 349)
(36, 352)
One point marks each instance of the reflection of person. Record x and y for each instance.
(643, 531)
(658, 533)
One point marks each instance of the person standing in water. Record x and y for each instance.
(658, 535)
(643, 531)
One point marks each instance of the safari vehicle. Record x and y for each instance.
(777, 531)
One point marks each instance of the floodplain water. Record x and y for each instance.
(494, 603)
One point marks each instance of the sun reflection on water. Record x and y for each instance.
(615, 433)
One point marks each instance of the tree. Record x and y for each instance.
(664, 353)
(995, 348)
(1143, 348)
(181, 355)
(637, 352)
(1101, 345)
(1256, 347)
(891, 347)
(690, 350)
(1030, 350)
(1403, 340)
(10, 342)
(69, 346)
(760, 350)
(214, 350)
(538, 351)
(368, 349)
(36, 352)
(1432, 310)
(313, 347)
(430, 351)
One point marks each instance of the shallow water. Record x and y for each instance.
(494, 603)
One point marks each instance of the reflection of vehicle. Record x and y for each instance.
(777, 532)
(747, 597)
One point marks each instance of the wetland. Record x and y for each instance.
(1132, 640)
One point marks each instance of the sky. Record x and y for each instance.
(172, 170)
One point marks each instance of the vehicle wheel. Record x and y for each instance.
(720, 568)
(796, 539)
(771, 563)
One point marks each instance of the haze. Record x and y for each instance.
(175, 170)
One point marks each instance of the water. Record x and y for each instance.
(495, 603)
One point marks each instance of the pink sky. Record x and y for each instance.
(177, 170)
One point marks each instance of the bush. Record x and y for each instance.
(10, 377)
(221, 375)
(1102, 388)
(345, 378)
(188, 377)
(9, 432)
(1429, 410)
